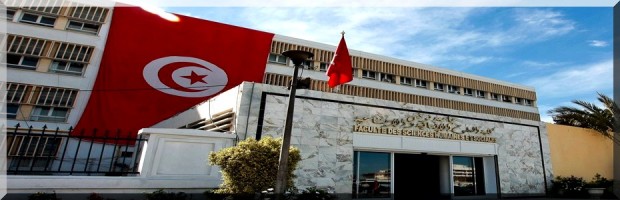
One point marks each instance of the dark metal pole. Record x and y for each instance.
(286, 140)
(281, 179)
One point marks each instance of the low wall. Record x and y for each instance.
(580, 152)
(174, 159)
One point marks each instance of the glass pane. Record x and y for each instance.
(48, 20)
(76, 67)
(374, 175)
(463, 171)
(59, 112)
(10, 14)
(13, 59)
(30, 61)
(11, 111)
(29, 17)
(74, 25)
(42, 111)
(91, 28)
(272, 58)
(58, 65)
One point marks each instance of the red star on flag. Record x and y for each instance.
(194, 78)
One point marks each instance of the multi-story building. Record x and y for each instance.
(395, 119)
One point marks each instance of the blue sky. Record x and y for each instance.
(565, 53)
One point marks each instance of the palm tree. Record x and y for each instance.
(589, 115)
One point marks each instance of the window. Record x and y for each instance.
(405, 81)
(38, 19)
(387, 78)
(438, 86)
(83, 27)
(11, 110)
(22, 62)
(73, 52)
(60, 97)
(323, 67)
(453, 89)
(371, 175)
(67, 67)
(518, 101)
(308, 64)
(369, 74)
(420, 83)
(506, 98)
(275, 58)
(25, 45)
(468, 175)
(480, 94)
(494, 96)
(32, 152)
(527, 102)
(15, 92)
(90, 13)
(10, 14)
(49, 114)
(468, 92)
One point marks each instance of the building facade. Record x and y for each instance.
(399, 127)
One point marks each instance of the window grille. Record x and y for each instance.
(15, 92)
(73, 52)
(43, 6)
(88, 13)
(60, 97)
(26, 45)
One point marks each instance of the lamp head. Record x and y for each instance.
(298, 56)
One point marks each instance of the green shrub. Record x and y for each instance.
(251, 166)
(315, 194)
(161, 195)
(599, 181)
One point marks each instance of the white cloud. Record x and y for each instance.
(545, 23)
(447, 36)
(597, 43)
(586, 79)
(531, 63)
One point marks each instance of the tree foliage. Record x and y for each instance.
(251, 166)
(588, 115)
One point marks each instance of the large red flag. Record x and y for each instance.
(340, 70)
(153, 68)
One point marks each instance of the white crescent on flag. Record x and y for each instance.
(185, 76)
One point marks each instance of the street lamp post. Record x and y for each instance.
(297, 57)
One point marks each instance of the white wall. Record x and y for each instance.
(173, 159)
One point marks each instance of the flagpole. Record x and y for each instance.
(282, 177)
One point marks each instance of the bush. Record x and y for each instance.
(599, 182)
(251, 166)
(315, 194)
(161, 195)
(43, 196)
(569, 186)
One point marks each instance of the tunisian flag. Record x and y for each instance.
(340, 70)
(153, 68)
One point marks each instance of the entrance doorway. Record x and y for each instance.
(420, 176)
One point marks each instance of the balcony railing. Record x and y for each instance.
(56, 152)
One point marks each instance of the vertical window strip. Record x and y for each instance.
(15, 92)
(44, 6)
(25, 45)
(74, 52)
(60, 97)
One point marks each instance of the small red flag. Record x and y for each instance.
(340, 71)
